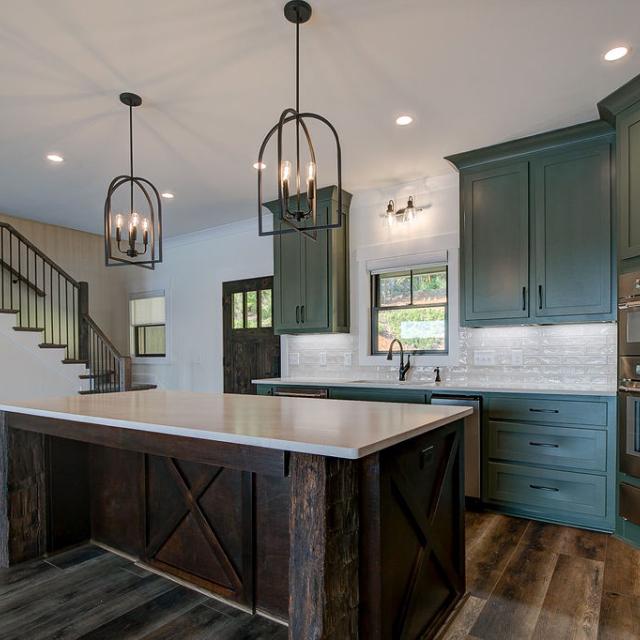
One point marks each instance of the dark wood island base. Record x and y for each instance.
(340, 548)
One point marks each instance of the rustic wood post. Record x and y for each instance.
(323, 559)
(126, 375)
(83, 329)
(23, 530)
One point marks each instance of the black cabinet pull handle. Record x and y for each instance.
(544, 410)
(544, 444)
(298, 313)
(539, 487)
(524, 298)
(302, 314)
(539, 296)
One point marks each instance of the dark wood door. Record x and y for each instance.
(495, 233)
(572, 220)
(251, 350)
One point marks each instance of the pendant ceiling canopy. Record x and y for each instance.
(132, 235)
(297, 211)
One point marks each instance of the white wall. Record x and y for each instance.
(193, 270)
(28, 372)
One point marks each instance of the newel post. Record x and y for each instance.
(83, 329)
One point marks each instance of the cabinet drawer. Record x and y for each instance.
(557, 494)
(550, 411)
(556, 446)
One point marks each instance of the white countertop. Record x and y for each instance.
(331, 427)
(440, 386)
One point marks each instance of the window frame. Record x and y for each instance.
(136, 340)
(150, 359)
(376, 307)
(259, 316)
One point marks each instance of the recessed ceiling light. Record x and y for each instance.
(55, 157)
(616, 53)
(168, 195)
(259, 165)
(403, 121)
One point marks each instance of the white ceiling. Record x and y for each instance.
(215, 74)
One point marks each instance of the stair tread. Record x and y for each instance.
(89, 376)
(52, 345)
(74, 361)
(33, 329)
(143, 387)
(9, 310)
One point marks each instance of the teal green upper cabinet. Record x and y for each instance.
(311, 277)
(572, 230)
(536, 229)
(495, 230)
(628, 127)
(622, 110)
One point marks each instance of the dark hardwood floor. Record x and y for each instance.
(92, 594)
(526, 580)
(534, 581)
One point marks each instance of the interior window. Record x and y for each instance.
(411, 305)
(148, 326)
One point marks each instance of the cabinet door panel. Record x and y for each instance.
(496, 242)
(287, 281)
(628, 167)
(572, 220)
(315, 300)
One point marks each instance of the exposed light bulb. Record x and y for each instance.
(55, 157)
(259, 165)
(285, 174)
(119, 221)
(168, 195)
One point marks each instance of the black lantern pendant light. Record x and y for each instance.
(297, 211)
(131, 237)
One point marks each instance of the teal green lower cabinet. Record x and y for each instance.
(580, 498)
(551, 458)
(378, 395)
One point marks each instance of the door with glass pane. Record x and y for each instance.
(251, 350)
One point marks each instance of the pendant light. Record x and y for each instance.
(131, 237)
(297, 211)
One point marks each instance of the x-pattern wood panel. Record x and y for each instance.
(190, 505)
(425, 523)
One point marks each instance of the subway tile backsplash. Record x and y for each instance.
(566, 356)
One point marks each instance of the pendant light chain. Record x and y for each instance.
(298, 111)
(131, 152)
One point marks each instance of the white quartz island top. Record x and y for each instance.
(342, 429)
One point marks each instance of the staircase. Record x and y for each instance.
(46, 302)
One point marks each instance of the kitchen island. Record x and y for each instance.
(344, 519)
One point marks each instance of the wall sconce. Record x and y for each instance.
(406, 214)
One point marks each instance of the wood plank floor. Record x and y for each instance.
(534, 581)
(92, 594)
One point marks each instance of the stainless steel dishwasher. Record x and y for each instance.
(472, 463)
